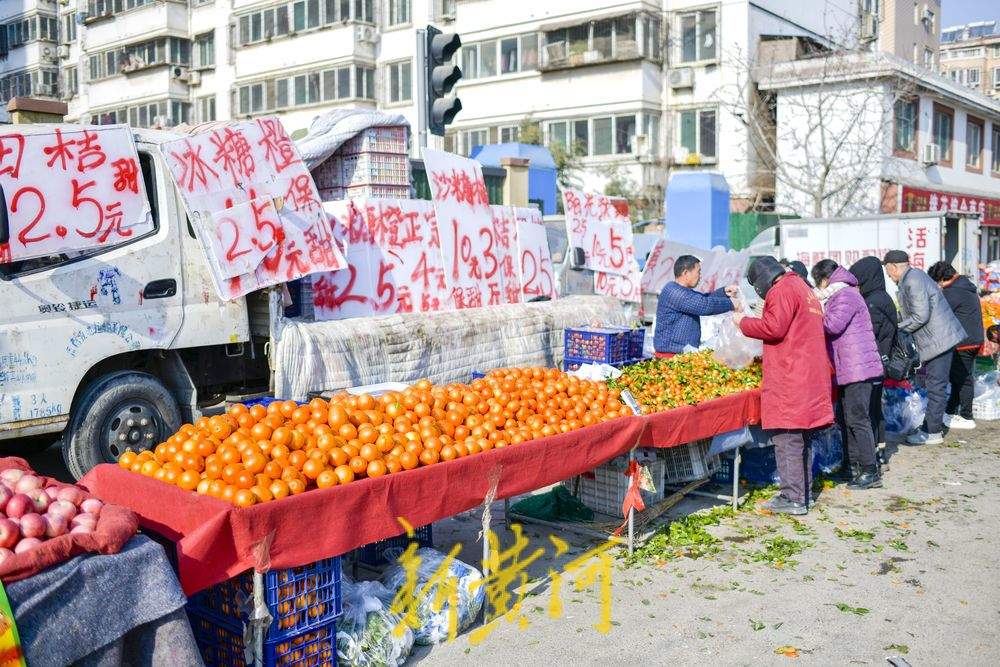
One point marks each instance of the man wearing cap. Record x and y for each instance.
(796, 393)
(936, 331)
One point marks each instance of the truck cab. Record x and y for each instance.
(114, 347)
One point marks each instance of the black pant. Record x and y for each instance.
(856, 422)
(962, 383)
(936, 381)
(875, 412)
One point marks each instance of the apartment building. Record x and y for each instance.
(908, 140)
(907, 29)
(29, 49)
(970, 56)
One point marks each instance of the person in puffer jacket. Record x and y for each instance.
(856, 363)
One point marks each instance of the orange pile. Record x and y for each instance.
(257, 454)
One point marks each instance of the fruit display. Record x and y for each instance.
(31, 512)
(255, 454)
(662, 384)
(991, 310)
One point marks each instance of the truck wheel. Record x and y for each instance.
(118, 411)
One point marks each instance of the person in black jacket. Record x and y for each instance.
(871, 283)
(963, 298)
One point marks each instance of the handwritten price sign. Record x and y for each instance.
(394, 261)
(537, 276)
(71, 188)
(505, 230)
(624, 288)
(718, 267)
(465, 224)
(595, 224)
(235, 167)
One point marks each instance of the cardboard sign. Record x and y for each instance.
(222, 166)
(505, 246)
(719, 268)
(594, 223)
(394, 261)
(624, 288)
(243, 235)
(465, 225)
(73, 188)
(537, 276)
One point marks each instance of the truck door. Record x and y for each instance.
(64, 314)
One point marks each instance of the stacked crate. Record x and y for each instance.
(374, 163)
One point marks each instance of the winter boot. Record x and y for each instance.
(868, 478)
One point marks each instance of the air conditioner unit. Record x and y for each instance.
(181, 74)
(555, 52)
(366, 34)
(194, 78)
(49, 54)
(931, 154)
(869, 26)
(64, 51)
(682, 77)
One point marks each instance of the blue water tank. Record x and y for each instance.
(541, 169)
(697, 209)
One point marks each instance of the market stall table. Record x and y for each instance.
(216, 540)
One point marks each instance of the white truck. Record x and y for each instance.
(927, 237)
(114, 348)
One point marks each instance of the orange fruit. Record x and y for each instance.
(188, 480)
(338, 456)
(409, 460)
(244, 479)
(369, 452)
(148, 468)
(376, 468)
(279, 489)
(344, 474)
(203, 486)
(359, 465)
(296, 486)
(312, 468)
(244, 498)
(261, 493)
(429, 457)
(229, 493)
(326, 479)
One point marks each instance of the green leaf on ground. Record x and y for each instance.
(898, 545)
(848, 609)
(778, 552)
(899, 648)
(854, 534)
(757, 625)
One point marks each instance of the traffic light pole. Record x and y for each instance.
(419, 65)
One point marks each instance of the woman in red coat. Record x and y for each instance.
(796, 390)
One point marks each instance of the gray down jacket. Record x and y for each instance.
(927, 315)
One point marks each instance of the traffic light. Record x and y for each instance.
(441, 76)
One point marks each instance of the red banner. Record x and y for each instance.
(917, 200)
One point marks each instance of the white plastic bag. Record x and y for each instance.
(365, 634)
(730, 347)
(434, 624)
(596, 372)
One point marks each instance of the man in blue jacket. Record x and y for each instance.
(680, 308)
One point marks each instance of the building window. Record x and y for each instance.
(398, 82)
(399, 12)
(488, 59)
(305, 14)
(364, 86)
(995, 148)
(469, 139)
(528, 52)
(996, 77)
(572, 135)
(263, 25)
(364, 11)
(601, 41)
(70, 81)
(603, 142)
(928, 58)
(204, 50)
(509, 62)
(972, 77)
(697, 129)
(69, 28)
(974, 144)
(205, 108)
(651, 130)
(509, 134)
(905, 116)
(943, 131)
(698, 36)
(624, 134)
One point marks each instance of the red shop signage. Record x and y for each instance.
(918, 200)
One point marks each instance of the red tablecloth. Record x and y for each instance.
(694, 422)
(216, 541)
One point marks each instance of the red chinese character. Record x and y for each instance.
(61, 150)
(126, 175)
(429, 303)
(461, 187)
(458, 297)
(921, 237)
(404, 299)
(113, 216)
(11, 144)
(494, 293)
(277, 145)
(232, 151)
(300, 194)
(917, 260)
(193, 167)
(473, 297)
(296, 266)
(91, 155)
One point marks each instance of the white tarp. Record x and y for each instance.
(330, 130)
(444, 347)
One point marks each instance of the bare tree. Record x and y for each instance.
(818, 125)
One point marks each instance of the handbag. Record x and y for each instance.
(903, 359)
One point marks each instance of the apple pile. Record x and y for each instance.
(31, 512)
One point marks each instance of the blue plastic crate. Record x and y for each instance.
(299, 598)
(222, 646)
(609, 346)
(636, 340)
(390, 549)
